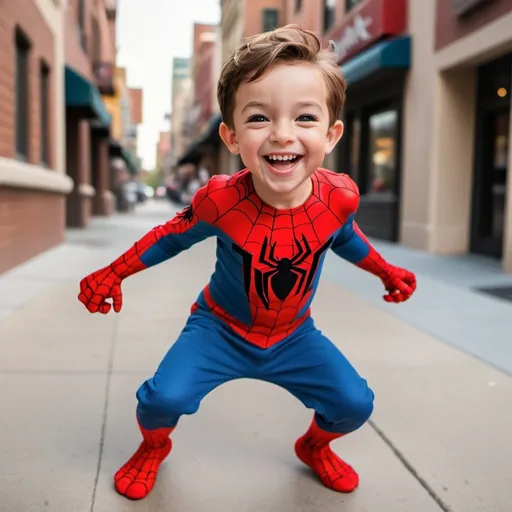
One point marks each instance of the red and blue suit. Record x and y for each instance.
(253, 320)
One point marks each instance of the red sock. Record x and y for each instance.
(138, 476)
(313, 449)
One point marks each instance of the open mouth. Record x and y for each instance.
(283, 162)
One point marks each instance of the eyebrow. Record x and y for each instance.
(256, 104)
(302, 104)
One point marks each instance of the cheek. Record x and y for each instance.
(251, 142)
(316, 140)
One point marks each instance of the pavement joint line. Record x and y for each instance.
(410, 468)
(113, 346)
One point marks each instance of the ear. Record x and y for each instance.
(333, 136)
(229, 137)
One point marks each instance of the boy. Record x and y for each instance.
(280, 95)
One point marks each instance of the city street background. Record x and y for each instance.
(109, 123)
(437, 441)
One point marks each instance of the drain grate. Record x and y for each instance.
(501, 292)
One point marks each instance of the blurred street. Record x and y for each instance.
(440, 366)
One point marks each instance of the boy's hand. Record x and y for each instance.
(99, 286)
(399, 283)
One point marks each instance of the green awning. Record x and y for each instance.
(387, 55)
(118, 151)
(83, 95)
(211, 136)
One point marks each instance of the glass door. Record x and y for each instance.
(382, 156)
(491, 157)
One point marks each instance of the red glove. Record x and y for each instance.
(106, 282)
(399, 283)
(99, 286)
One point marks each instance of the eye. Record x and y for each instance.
(306, 118)
(257, 118)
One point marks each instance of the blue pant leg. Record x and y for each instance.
(314, 370)
(200, 360)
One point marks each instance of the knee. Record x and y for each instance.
(165, 404)
(352, 411)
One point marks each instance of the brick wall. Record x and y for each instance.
(136, 104)
(254, 14)
(23, 14)
(30, 222)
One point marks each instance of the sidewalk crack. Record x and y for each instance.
(401, 457)
(105, 411)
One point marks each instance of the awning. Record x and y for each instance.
(118, 151)
(386, 55)
(210, 137)
(81, 94)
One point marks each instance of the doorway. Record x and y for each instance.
(491, 157)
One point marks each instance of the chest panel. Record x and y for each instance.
(280, 251)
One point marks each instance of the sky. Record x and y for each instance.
(150, 33)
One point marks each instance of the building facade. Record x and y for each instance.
(427, 118)
(89, 74)
(457, 124)
(181, 87)
(33, 182)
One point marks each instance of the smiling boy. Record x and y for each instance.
(280, 96)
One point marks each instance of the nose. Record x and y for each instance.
(283, 133)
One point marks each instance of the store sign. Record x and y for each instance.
(371, 20)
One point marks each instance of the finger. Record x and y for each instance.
(410, 279)
(104, 307)
(395, 296)
(405, 288)
(117, 297)
(95, 303)
(83, 298)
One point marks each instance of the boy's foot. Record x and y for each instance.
(138, 476)
(333, 472)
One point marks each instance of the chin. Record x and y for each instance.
(286, 186)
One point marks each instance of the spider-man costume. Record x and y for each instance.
(253, 318)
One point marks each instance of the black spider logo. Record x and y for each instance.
(186, 215)
(284, 272)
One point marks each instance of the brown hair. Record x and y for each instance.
(285, 44)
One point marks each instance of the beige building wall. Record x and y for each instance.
(439, 126)
(232, 25)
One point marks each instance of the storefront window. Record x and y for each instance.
(355, 141)
(382, 152)
(492, 156)
(499, 171)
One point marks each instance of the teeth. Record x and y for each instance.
(282, 157)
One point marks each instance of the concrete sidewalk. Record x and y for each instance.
(439, 438)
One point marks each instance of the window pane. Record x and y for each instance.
(44, 99)
(499, 171)
(355, 140)
(21, 91)
(382, 158)
(329, 11)
(350, 4)
(270, 19)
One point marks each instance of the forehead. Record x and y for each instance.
(285, 83)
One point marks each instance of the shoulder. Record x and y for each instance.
(220, 193)
(338, 190)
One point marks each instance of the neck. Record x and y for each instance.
(286, 201)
